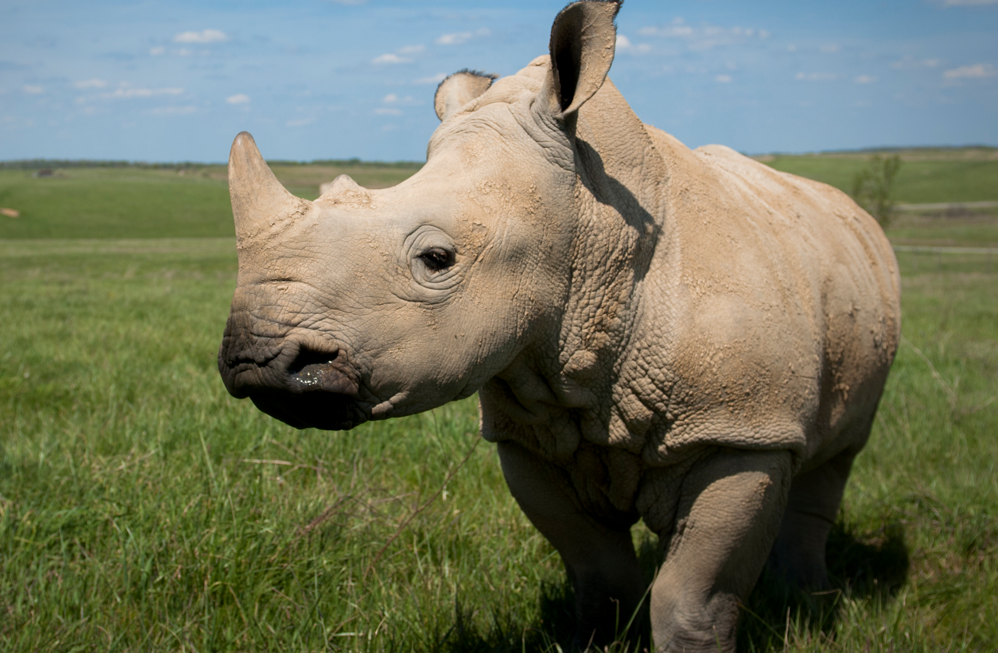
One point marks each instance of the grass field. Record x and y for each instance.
(927, 176)
(142, 508)
(182, 202)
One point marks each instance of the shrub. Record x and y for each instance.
(871, 187)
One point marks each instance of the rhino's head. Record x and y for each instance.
(368, 304)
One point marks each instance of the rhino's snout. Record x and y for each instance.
(299, 385)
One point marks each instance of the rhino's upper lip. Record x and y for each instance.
(323, 377)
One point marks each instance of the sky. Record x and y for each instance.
(333, 79)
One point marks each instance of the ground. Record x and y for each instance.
(142, 508)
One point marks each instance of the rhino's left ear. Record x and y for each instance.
(582, 45)
(459, 89)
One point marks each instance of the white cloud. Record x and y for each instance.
(967, 3)
(910, 63)
(816, 77)
(348, 2)
(406, 101)
(389, 59)
(127, 93)
(704, 36)
(976, 71)
(90, 83)
(157, 51)
(301, 122)
(204, 36)
(865, 79)
(791, 48)
(829, 48)
(388, 111)
(432, 79)
(678, 29)
(173, 111)
(411, 49)
(723, 79)
(460, 37)
(238, 98)
(624, 45)
(33, 90)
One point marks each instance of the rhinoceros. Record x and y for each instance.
(689, 338)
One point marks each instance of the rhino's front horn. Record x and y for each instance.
(259, 201)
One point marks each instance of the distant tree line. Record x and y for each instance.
(39, 164)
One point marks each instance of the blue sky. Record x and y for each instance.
(312, 79)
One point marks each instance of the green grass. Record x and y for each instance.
(136, 510)
(953, 229)
(923, 179)
(142, 508)
(183, 202)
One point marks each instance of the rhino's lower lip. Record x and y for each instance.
(328, 411)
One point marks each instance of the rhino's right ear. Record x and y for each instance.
(583, 39)
(459, 89)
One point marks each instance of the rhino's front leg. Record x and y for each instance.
(600, 560)
(727, 518)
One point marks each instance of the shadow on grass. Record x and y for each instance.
(860, 566)
(554, 629)
(875, 567)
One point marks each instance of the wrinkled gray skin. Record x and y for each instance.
(684, 337)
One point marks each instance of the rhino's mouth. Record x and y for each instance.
(319, 395)
(301, 386)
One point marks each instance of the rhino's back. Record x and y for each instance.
(773, 303)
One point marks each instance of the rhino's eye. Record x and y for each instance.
(437, 259)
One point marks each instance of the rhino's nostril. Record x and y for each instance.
(307, 357)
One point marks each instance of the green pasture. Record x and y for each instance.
(141, 202)
(142, 508)
(192, 201)
(926, 177)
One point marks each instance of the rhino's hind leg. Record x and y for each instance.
(798, 554)
(600, 560)
(728, 515)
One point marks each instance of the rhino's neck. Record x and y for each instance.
(565, 388)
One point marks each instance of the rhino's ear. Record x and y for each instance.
(459, 89)
(582, 45)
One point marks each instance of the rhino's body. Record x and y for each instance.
(654, 332)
